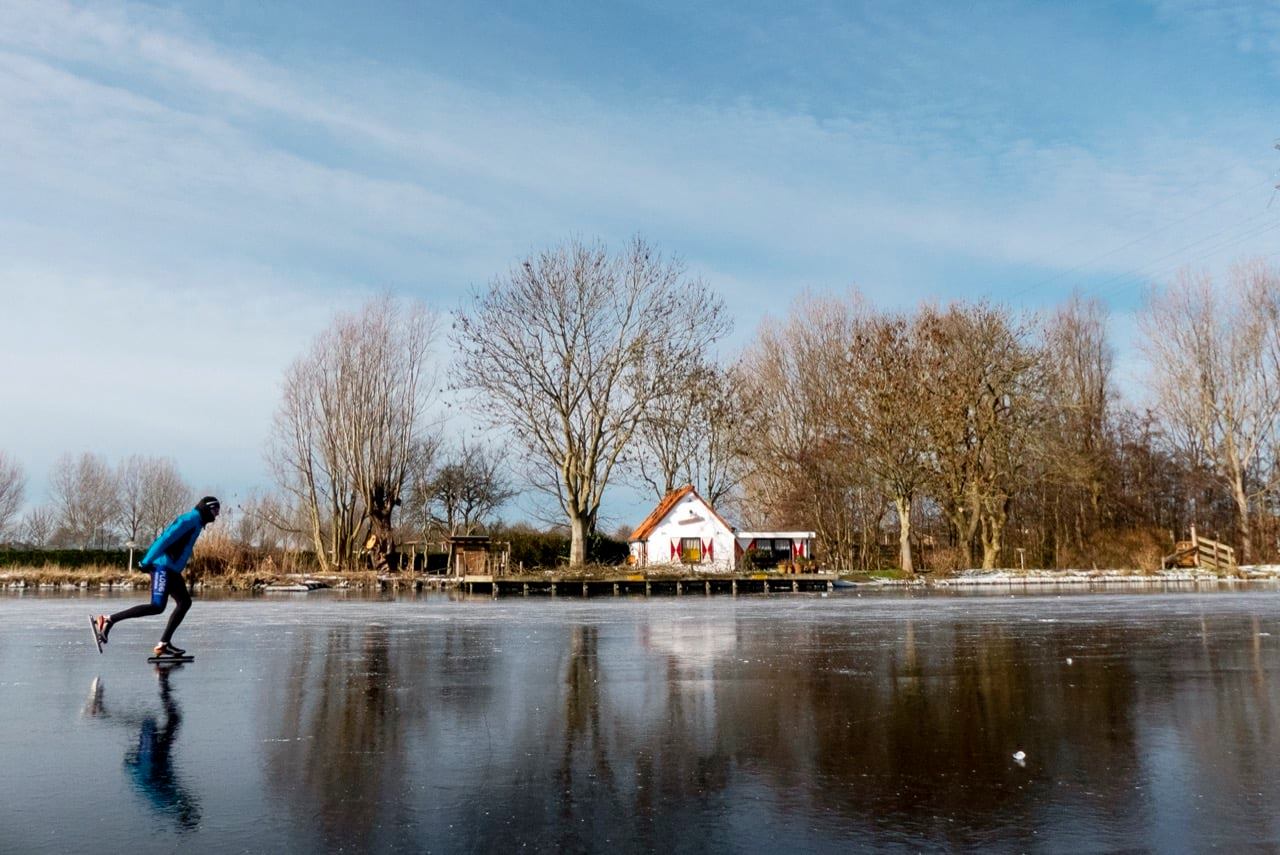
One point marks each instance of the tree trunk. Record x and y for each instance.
(578, 524)
(991, 542)
(903, 504)
(381, 540)
(1242, 520)
(317, 541)
(1057, 532)
(964, 522)
(994, 518)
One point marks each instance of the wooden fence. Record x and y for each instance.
(1202, 552)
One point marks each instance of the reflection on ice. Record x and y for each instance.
(149, 761)
(1058, 723)
(691, 644)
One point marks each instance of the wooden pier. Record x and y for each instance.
(638, 585)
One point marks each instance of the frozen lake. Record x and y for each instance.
(793, 723)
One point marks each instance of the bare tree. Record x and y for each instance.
(305, 462)
(351, 411)
(152, 493)
(37, 527)
(1074, 451)
(1213, 358)
(467, 489)
(131, 482)
(417, 514)
(666, 437)
(980, 404)
(693, 436)
(264, 523)
(879, 416)
(798, 469)
(571, 348)
(13, 485)
(167, 495)
(84, 498)
(269, 521)
(717, 465)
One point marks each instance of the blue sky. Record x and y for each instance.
(189, 191)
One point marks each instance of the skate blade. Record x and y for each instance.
(93, 627)
(175, 660)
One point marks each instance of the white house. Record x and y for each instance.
(684, 529)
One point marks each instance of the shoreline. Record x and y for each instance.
(112, 579)
(985, 578)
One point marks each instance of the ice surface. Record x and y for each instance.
(693, 724)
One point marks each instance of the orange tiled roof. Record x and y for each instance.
(664, 507)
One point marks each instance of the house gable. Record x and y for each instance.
(669, 504)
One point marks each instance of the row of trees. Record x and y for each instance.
(944, 413)
(964, 433)
(996, 431)
(569, 358)
(354, 439)
(91, 503)
(968, 432)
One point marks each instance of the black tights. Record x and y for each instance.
(174, 587)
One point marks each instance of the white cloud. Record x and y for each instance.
(219, 200)
(470, 165)
(123, 366)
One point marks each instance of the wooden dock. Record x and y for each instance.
(642, 586)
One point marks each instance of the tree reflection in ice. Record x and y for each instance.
(651, 727)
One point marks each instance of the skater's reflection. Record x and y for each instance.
(149, 762)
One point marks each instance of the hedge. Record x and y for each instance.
(68, 558)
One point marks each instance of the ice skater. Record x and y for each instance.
(164, 561)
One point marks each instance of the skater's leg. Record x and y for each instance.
(182, 601)
(159, 593)
(144, 610)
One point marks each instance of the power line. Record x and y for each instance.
(1118, 282)
(1094, 237)
(1122, 280)
(1090, 261)
(1137, 277)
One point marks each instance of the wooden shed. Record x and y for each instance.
(477, 555)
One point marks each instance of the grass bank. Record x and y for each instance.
(112, 578)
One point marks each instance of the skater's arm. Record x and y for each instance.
(190, 546)
(178, 529)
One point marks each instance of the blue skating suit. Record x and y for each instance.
(171, 552)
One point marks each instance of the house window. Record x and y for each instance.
(691, 550)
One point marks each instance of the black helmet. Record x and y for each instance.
(208, 508)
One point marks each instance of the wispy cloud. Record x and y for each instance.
(183, 190)
(1250, 27)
